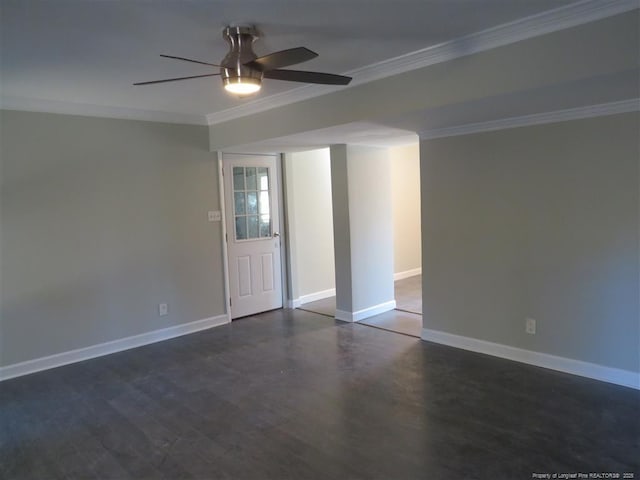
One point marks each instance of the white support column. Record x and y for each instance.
(363, 231)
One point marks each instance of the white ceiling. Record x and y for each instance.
(90, 52)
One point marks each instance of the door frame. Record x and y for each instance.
(224, 234)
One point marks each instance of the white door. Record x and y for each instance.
(253, 240)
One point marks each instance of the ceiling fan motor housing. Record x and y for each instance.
(234, 70)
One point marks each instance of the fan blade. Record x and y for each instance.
(283, 58)
(189, 60)
(176, 79)
(307, 77)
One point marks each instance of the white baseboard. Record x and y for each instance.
(407, 274)
(576, 367)
(365, 313)
(312, 297)
(80, 354)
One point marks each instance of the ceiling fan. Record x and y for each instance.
(242, 70)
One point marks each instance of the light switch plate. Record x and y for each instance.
(215, 216)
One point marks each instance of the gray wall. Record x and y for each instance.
(371, 217)
(101, 220)
(405, 200)
(308, 183)
(538, 222)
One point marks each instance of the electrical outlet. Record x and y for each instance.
(163, 309)
(530, 326)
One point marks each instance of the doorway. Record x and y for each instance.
(252, 218)
(310, 225)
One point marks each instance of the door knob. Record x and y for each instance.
(276, 234)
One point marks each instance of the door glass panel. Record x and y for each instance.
(265, 226)
(251, 178)
(241, 228)
(263, 178)
(238, 178)
(239, 203)
(264, 203)
(253, 226)
(252, 202)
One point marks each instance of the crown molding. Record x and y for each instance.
(567, 16)
(623, 106)
(89, 110)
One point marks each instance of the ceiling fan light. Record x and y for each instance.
(241, 85)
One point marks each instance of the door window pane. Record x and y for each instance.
(251, 178)
(264, 203)
(253, 226)
(265, 226)
(263, 178)
(252, 202)
(241, 228)
(239, 203)
(238, 178)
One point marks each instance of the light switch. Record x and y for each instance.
(215, 216)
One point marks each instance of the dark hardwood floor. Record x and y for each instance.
(295, 395)
(406, 318)
(408, 293)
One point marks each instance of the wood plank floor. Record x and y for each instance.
(295, 395)
(408, 294)
(406, 318)
(397, 321)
